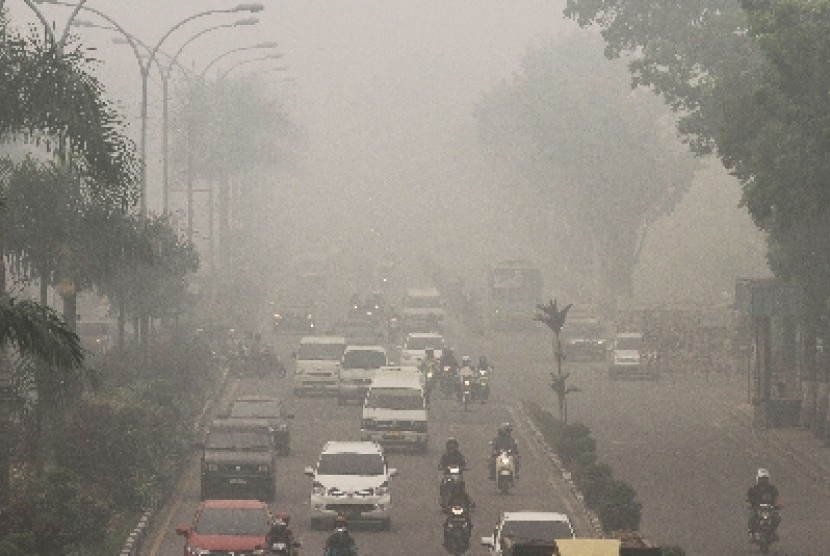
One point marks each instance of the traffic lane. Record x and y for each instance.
(416, 518)
(674, 442)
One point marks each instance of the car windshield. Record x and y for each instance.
(423, 302)
(253, 522)
(397, 398)
(537, 532)
(420, 342)
(264, 408)
(630, 342)
(364, 359)
(320, 352)
(239, 440)
(350, 464)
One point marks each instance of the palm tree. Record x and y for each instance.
(554, 318)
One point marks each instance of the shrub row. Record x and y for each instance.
(114, 453)
(614, 501)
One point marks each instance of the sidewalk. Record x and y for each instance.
(810, 454)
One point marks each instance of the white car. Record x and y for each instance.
(317, 364)
(394, 412)
(528, 529)
(629, 358)
(416, 345)
(351, 478)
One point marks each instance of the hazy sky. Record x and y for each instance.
(384, 90)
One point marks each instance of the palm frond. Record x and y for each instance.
(38, 331)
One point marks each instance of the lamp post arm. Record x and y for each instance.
(249, 61)
(178, 25)
(65, 34)
(175, 57)
(131, 39)
(44, 21)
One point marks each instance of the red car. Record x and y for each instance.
(227, 526)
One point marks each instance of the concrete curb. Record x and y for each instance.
(574, 491)
(135, 540)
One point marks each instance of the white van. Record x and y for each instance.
(394, 413)
(357, 369)
(317, 365)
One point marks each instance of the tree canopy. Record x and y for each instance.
(604, 161)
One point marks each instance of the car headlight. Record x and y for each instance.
(196, 551)
(262, 468)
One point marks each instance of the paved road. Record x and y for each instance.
(416, 520)
(679, 444)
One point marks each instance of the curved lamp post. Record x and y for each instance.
(145, 65)
(240, 49)
(251, 60)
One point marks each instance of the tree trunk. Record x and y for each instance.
(70, 310)
(5, 386)
(808, 373)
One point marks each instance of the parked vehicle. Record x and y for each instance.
(630, 359)
(351, 479)
(227, 527)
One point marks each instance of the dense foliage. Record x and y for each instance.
(604, 165)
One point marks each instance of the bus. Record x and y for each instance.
(515, 289)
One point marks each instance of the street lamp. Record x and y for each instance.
(145, 71)
(240, 49)
(251, 60)
(57, 43)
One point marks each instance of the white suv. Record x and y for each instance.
(533, 531)
(351, 478)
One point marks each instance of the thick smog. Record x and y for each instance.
(389, 277)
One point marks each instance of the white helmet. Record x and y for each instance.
(762, 474)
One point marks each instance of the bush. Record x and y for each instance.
(672, 551)
(618, 509)
(51, 512)
(594, 481)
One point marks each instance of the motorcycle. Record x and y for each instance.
(466, 391)
(448, 382)
(452, 479)
(483, 385)
(766, 520)
(457, 531)
(505, 471)
(279, 548)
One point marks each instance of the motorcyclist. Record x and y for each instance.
(762, 492)
(466, 371)
(452, 456)
(503, 441)
(483, 363)
(280, 530)
(340, 542)
(459, 497)
(448, 359)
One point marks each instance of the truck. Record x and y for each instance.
(515, 289)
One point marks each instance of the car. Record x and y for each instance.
(317, 364)
(528, 533)
(238, 460)
(630, 359)
(394, 413)
(357, 369)
(584, 339)
(271, 409)
(351, 478)
(294, 320)
(423, 310)
(416, 345)
(227, 527)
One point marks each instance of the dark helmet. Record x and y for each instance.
(282, 517)
(340, 522)
(505, 429)
(452, 444)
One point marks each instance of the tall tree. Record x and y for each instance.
(749, 81)
(604, 162)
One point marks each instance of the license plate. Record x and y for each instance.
(239, 481)
(393, 435)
